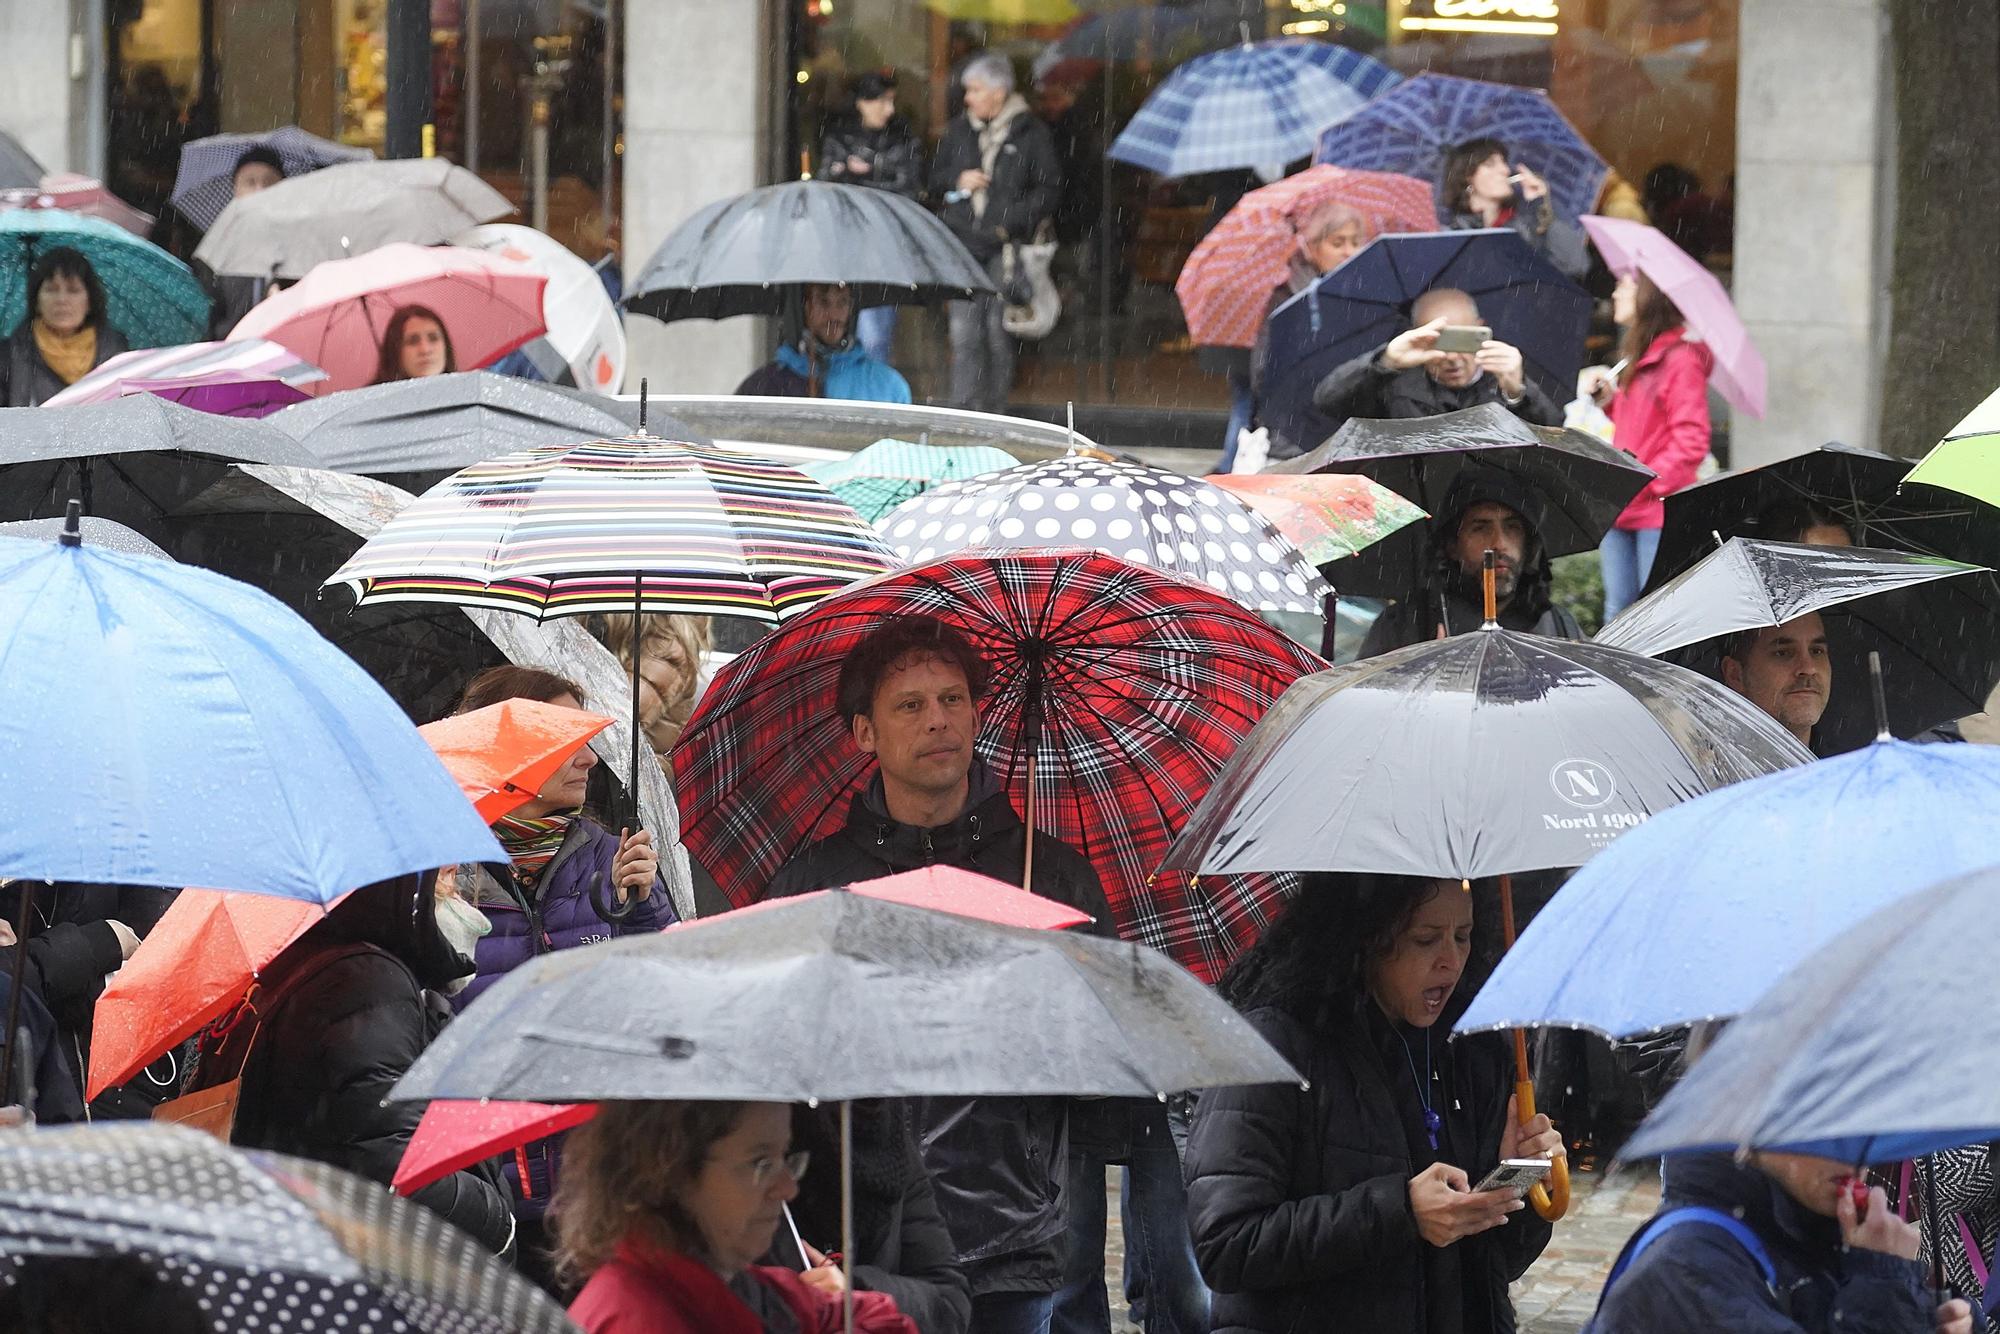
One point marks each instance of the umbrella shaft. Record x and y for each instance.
(847, 1215)
(12, 1037)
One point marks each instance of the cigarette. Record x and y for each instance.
(1514, 179)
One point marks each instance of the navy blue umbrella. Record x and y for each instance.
(1366, 302)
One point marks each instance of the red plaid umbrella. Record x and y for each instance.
(1147, 682)
(1227, 280)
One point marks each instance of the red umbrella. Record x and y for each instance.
(79, 194)
(502, 754)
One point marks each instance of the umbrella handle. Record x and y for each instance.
(1550, 1198)
(604, 898)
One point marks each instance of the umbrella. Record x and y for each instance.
(337, 315)
(1581, 482)
(100, 533)
(18, 167)
(585, 342)
(1633, 247)
(1148, 516)
(876, 478)
(149, 296)
(79, 194)
(1326, 516)
(254, 1242)
(1935, 633)
(1725, 892)
(743, 255)
(1411, 127)
(1118, 691)
(1834, 1060)
(502, 754)
(206, 182)
(225, 364)
(1254, 104)
(1366, 302)
(344, 210)
(1226, 283)
(1962, 465)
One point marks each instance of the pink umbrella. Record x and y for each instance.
(227, 378)
(337, 314)
(1633, 246)
(79, 194)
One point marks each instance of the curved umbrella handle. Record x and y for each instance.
(1550, 1197)
(604, 898)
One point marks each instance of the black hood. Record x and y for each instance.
(1720, 1182)
(1478, 485)
(399, 916)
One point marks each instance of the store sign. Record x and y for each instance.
(1521, 18)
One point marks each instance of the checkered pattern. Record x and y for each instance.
(207, 178)
(1409, 129)
(1258, 104)
(1151, 682)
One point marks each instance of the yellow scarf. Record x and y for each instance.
(70, 356)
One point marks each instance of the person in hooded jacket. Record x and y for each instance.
(827, 362)
(1348, 1204)
(876, 149)
(910, 695)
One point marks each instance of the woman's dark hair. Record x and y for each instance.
(257, 154)
(1790, 521)
(1460, 161)
(510, 682)
(63, 261)
(1653, 314)
(895, 639)
(389, 366)
(1313, 962)
(873, 84)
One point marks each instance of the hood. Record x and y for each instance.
(793, 358)
(1478, 484)
(399, 916)
(1720, 1182)
(981, 787)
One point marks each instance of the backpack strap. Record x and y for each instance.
(1693, 1213)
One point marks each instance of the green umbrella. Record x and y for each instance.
(150, 297)
(878, 478)
(1967, 460)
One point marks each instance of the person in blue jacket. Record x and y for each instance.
(827, 361)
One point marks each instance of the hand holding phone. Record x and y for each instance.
(1462, 338)
(1519, 1175)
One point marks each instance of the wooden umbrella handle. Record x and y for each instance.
(1550, 1197)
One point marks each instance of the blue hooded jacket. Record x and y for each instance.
(850, 373)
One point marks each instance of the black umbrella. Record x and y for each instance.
(234, 1241)
(1581, 482)
(1938, 635)
(743, 255)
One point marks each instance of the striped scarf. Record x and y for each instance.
(531, 844)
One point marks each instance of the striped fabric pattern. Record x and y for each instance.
(253, 357)
(563, 530)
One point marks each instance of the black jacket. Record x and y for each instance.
(28, 381)
(1416, 616)
(998, 1165)
(894, 158)
(1363, 388)
(1298, 1200)
(1027, 182)
(1696, 1277)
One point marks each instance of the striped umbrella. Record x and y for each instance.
(231, 362)
(879, 477)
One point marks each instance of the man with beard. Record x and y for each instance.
(1784, 670)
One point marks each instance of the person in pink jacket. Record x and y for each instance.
(1659, 404)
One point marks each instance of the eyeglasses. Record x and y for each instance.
(763, 1169)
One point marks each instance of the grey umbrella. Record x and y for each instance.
(743, 255)
(18, 167)
(344, 210)
(100, 533)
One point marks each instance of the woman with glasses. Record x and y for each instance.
(663, 1211)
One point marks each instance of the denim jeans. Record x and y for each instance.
(1242, 406)
(1011, 1313)
(1626, 558)
(1163, 1288)
(875, 327)
(982, 351)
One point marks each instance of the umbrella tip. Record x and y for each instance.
(1882, 732)
(1716, 533)
(72, 533)
(642, 405)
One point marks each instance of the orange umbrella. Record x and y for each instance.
(201, 958)
(502, 754)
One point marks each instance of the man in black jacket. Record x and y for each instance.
(910, 694)
(996, 173)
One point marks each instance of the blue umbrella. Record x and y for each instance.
(150, 297)
(1697, 911)
(1877, 1047)
(1366, 302)
(1410, 129)
(206, 181)
(1256, 104)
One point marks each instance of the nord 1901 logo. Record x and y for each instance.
(1584, 784)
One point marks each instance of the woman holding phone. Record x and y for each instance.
(1480, 187)
(1350, 1204)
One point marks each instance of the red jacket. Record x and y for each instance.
(1662, 420)
(645, 1290)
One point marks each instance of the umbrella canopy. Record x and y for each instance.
(79, 194)
(225, 393)
(1410, 128)
(1578, 483)
(585, 342)
(1834, 1062)
(1148, 516)
(257, 1243)
(743, 255)
(1964, 462)
(1366, 302)
(876, 478)
(1724, 893)
(149, 296)
(345, 210)
(904, 1002)
(206, 182)
(338, 314)
(145, 697)
(1146, 681)
(1226, 284)
(245, 361)
(1492, 753)
(1633, 247)
(1937, 635)
(502, 754)
(18, 167)
(1327, 516)
(100, 533)
(1255, 104)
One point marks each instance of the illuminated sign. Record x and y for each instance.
(1521, 18)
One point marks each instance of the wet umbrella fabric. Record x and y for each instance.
(1327, 516)
(585, 343)
(744, 256)
(100, 533)
(1935, 624)
(224, 362)
(1146, 683)
(1961, 470)
(1722, 894)
(149, 296)
(206, 181)
(876, 478)
(86, 195)
(501, 755)
(265, 1242)
(18, 167)
(1829, 1061)
(1490, 753)
(1148, 516)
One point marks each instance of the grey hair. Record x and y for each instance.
(990, 68)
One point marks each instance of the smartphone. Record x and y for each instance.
(1462, 338)
(1516, 1174)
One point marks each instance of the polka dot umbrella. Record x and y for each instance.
(1148, 516)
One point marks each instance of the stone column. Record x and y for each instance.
(40, 103)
